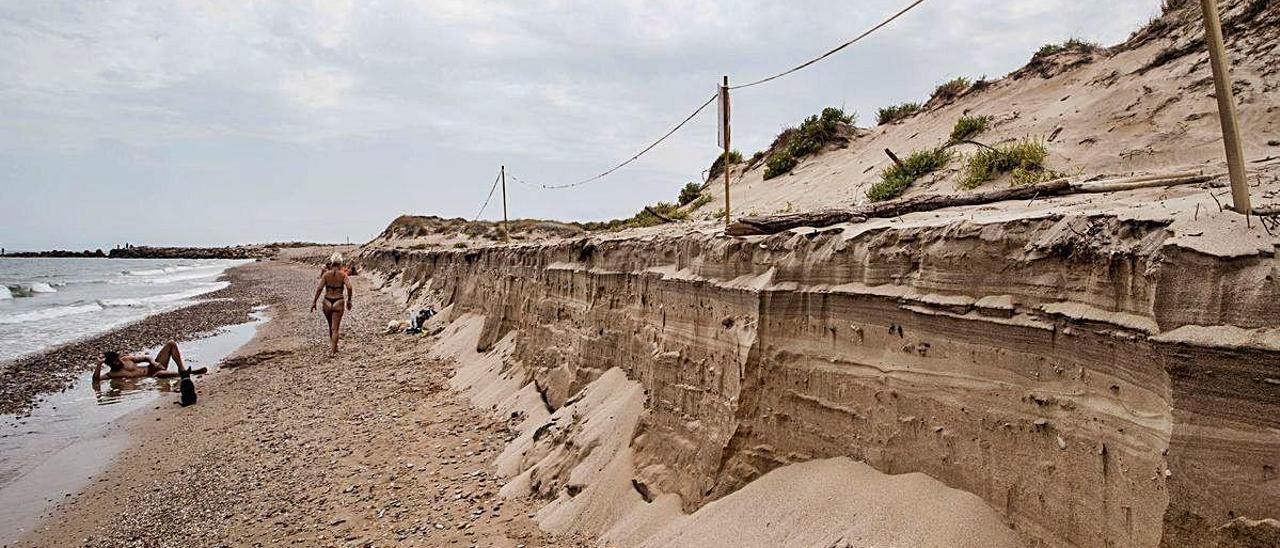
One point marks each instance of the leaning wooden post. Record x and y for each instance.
(724, 134)
(1226, 106)
(503, 174)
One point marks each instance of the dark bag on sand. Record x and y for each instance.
(187, 388)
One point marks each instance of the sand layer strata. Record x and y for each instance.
(1095, 374)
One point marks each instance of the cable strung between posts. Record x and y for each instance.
(712, 99)
(490, 197)
(637, 156)
(834, 51)
(522, 181)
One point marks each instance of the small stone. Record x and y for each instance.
(1062, 444)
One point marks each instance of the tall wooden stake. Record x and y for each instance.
(724, 160)
(503, 174)
(1226, 106)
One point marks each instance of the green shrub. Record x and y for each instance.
(950, 90)
(701, 201)
(1030, 176)
(968, 126)
(808, 138)
(717, 167)
(1027, 156)
(895, 179)
(643, 218)
(1072, 44)
(689, 193)
(889, 115)
(755, 159)
(780, 163)
(980, 84)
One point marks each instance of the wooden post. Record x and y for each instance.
(724, 160)
(1226, 106)
(503, 174)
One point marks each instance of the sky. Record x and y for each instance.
(191, 122)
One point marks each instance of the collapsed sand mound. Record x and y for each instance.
(839, 503)
(423, 232)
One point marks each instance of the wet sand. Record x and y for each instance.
(73, 435)
(291, 446)
(25, 381)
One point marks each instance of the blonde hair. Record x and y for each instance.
(335, 259)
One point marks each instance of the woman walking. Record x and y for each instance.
(333, 280)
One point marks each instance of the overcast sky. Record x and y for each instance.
(223, 121)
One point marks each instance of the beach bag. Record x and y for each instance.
(187, 388)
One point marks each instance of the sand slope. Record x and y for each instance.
(1143, 106)
(840, 503)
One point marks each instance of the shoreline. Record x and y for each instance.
(26, 381)
(74, 435)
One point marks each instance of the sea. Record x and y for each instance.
(49, 302)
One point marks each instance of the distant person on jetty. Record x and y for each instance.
(126, 367)
(333, 280)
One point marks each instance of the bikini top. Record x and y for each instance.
(338, 287)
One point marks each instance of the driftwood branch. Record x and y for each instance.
(970, 142)
(895, 159)
(660, 216)
(1145, 181)
(772, 224)
(1269, 211)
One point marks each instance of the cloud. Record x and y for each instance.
(433, 94)
(317, 88)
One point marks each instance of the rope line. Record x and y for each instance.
(857, 38)
(522, 181)
(490, 197)
(637, 155)
(701, 108)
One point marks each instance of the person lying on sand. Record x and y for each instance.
(126, 367)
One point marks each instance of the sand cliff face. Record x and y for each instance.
(1094, 378)
(1100, 370)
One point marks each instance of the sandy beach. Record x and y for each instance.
(291, 446)
(1027, 302)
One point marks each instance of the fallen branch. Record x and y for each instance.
(751, 226)
(1269, 211)
(1147, 181)
(660, 216)
(895, 159)
(970, 142)
(928, 202)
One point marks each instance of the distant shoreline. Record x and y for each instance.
(249, 251)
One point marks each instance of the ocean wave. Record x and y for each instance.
(5, 294)
(162, 271)
(185, 276)
(28, 289)
(165, 298)
(50, 313)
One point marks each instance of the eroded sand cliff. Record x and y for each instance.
(1097, 378)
